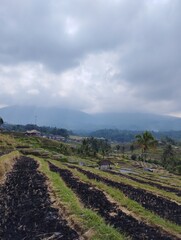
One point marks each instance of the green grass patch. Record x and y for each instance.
(6, 162)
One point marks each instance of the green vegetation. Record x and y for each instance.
(7, 143)
(146, 141)
(93, 146)
(42, 143)
(170, 161)
(91, 150)
(44, 130)
(127, 136)
(6, 163)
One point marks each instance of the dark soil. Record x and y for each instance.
(97, 200)
(159, 205)
(157, 185)
(158, 181)
(26, 212)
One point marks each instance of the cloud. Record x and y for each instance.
(118, 55)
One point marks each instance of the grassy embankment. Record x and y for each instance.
(6, 163)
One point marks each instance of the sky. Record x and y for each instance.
(93, 56)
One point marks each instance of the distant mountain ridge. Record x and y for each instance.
(77, 120)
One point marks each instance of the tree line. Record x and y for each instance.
(146, 141)
(124, 136)
(44, 130)
(93, 146)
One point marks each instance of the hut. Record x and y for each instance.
(105, 165)
(33, 133)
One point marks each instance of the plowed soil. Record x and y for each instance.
(97, 200)
(26, 212)
(159, 205)
(157, 185)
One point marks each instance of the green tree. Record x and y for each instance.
(118, 147)
(1, 121)
(146, 141)
(105, 147)
(132, 148)
(92, 146)
(123, 150)
(168, 156)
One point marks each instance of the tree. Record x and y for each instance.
(1, 121)
(146, 141)
(92, 146)
(168, 156)
(123, 150)
(105, 147)
(132, 148)
(118, 147)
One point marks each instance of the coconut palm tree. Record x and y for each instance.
(146, 141)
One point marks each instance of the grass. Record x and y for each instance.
(91, 223)
(6, 162)
(131, 205)
(6, 142)
(156, 178)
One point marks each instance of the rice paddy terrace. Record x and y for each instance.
(44, 198)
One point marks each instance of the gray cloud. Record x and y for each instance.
(91, 55)
(58, 33)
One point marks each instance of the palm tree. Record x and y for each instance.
(146, 141)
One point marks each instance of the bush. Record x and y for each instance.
(178, 169)
(133, 157)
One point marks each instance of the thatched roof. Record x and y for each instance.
(32, 132)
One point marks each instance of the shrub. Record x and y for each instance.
(133, 157)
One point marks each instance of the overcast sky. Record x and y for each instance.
(94, 56)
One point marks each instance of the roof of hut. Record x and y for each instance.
(105, 162)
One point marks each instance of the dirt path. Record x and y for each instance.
(159, 205)
(97, 200)
(26, 211)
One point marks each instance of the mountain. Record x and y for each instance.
(44, 116)
(77, 120)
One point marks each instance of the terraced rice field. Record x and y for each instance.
(151, 183)
(97, 200)
(88, 204)
(161, 206)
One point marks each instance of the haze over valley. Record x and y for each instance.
(80, 121)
